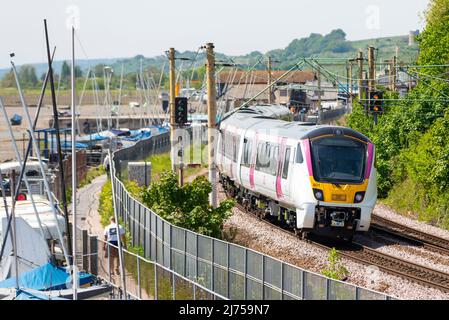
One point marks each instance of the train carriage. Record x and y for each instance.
(318, 179)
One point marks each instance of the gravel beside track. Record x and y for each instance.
(267, 239)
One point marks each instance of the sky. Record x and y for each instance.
(125, 28)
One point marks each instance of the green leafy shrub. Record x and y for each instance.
(335, 270)
(106, 206)
(411, 136)
(187, 206)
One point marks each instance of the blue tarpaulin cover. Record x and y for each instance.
(25, 295)
(16, 119)
(46, 277)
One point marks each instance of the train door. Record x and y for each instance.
(246, 162)
(252, 165)
(282, 174)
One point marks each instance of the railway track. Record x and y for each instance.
(370, 257)
(419, 238)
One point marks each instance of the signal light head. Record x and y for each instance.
(21, 197)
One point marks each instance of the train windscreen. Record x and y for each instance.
(338, 160)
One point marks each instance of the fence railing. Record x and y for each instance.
(145, 279)
(224, 268)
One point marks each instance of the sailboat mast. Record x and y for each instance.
(74, 182)
(120, 96)
(58, 139)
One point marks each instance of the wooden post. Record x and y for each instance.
(351, 87)
(172, 107)
(360, 76)
(371, 70)
(270, 81)
(211, 111)
(320, 110)
(394, 74)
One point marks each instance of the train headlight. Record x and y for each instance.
(359, 196)
(319, 195)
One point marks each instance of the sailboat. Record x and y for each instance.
(28, 269)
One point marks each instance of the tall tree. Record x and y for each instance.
(8, 80)
(27, 76)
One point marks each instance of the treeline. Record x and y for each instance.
(29, 79)
(412, 135)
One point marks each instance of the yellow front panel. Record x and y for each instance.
(343, 193)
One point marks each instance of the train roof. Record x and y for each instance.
(270, 117)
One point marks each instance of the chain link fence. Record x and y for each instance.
(221, 269)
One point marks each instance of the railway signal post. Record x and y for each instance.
(211, 113)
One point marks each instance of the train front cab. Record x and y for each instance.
(343, 188)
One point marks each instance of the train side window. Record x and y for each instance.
(235, 141)
(299, 157)
(225, 143)
(274, 159)
(263, 157)
(286, 163)
(247, 152)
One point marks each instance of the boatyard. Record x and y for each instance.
(198, 166)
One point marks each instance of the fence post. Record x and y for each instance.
(174, 285)
(245, 296)
(109, 262)
(282, 281)
(228, 287)
(93, 255)
(303, 284)
(196, 257)
(85, 250)
(170, 262)
(139, 286)
(263, 277)
(155, 282)
(328, 282)
(185, 254)
(212, 260)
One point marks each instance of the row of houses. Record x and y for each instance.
(298, 89)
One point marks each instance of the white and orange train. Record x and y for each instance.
(316, 178)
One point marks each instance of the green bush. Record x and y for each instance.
(105, 206)
(411, 136)
(335, 270)
(187, 206)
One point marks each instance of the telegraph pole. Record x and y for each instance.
(360, 76)
(350, 82)
(211, 112)
(270, 81)
(319, 94)
(394, 74)
(172, 106)
(371, 69)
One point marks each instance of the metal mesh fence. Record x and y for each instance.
(226, 269)
(144, 279)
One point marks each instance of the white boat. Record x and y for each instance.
(24, 209)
